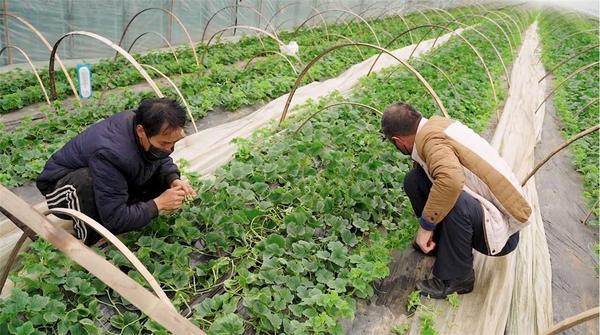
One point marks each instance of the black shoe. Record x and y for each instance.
(418, 249)
(439, 289)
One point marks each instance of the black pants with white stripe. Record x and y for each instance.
(458, 233)
(75, 191)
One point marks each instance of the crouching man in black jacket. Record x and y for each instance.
(118, 171)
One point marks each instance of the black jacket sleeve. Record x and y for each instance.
(168, 171)
(111, 195)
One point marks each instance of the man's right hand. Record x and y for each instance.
(170, 199)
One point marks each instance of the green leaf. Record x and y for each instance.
(229, 324)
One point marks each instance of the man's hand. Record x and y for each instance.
(170, 199)
(189, 191)
(424, 240)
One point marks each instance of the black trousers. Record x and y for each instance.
(458, 233)
(76, 191)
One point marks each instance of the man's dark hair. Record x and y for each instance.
(159, 115)
(400, 119)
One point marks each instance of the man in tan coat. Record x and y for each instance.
(464, 194)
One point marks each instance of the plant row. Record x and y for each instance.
(563, 37)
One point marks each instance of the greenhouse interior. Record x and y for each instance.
(299, 167)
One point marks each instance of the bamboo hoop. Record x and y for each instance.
(315, 10)
(587, 217)
(566, 60)
(49, 47)
(373, 109)
(168, 12)
(455, 91)
(571, 322)
(33, 69)
(585, 31)
(487, 71)
(164, 40)
(347, 39)
(331, 49)
(510, 45)
(345, 11)
(576, 113)
(11, 259)
(508, 26)
(107, 42)
(557, 150)
(177, 91)
(273, 30)
(23, 214)
(207, 45)
(496, 51)
(574, 73)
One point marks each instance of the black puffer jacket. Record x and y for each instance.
(111, 151)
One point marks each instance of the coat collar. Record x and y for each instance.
(415, 154)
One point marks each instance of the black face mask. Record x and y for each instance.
(155, 154)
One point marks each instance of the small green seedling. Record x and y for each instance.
(427, 324)
(453, 300)
(414, 301)
(400, 329)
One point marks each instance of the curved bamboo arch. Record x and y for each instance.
(164, 40)
(107, 42)
(498, 14)
(568, 323)
(394, 10)
(557, 27)
(437, 9)
(37, 76)
(423, 14)
(264, 53)
(577, 33)
(274, 31)
(574, 73)
(12, 258)
(373, 109)
(177, 91)
(347, 39)
(496, 51)
(341, 10)
(507, 23)
(511, 17)
(49, 47)
(589, 214)
(558, 149)
(398, 15)
(416, 73)
(280, 10)
(168, 12)
(207, 45)
(566, 60)
(510, 45)
(483, 63)
(455, 91)
(576, 113)
(361, 13)
(100, 229)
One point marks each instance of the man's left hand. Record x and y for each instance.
(189, 191)
(424, 240)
